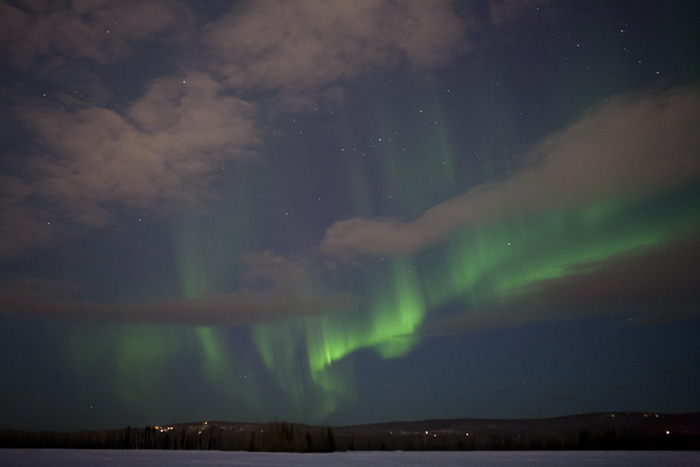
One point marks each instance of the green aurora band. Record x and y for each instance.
(307, 356)
(495, 261)
(398, 307)
(474, 267)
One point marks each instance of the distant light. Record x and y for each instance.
(668, 432)
(467, 434)
(426, 432)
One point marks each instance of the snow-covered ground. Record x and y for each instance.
(109, 458)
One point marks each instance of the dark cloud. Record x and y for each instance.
(233, 309)
(628, 147)
(278, 289)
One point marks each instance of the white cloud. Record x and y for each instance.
(293, 48)
(628, 147)
(164, 150)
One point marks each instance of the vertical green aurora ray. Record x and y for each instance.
(413, 165)
(221, 371)
(193, 284)
(416, 162)
(439, 143)
(386, 325)
(207, 247)
(282, 348)
(278, 344)
(195, 260)
(189, 255)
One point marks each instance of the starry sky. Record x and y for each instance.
(347, 212)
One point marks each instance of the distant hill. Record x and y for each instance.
(610, 430)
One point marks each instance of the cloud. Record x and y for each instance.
(628, 147)
(265, 270)
(49, 33)
(164, 150)
(22, 225)
(294, 48)
(646, 285)
(232, 309)
(277, 289)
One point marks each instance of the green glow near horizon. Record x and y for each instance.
(139, 355)
(143, 359)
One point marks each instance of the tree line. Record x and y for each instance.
(273, 437)
(289, 437)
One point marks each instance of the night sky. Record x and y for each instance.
(347, 212)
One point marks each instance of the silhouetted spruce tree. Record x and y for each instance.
(309, 442)
(251, 446)
(330, 441)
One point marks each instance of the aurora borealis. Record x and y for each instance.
(347, 212)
